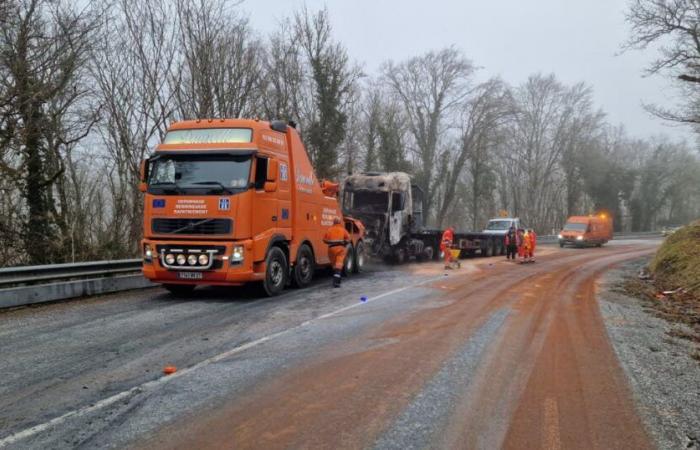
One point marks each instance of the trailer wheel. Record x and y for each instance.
(180, 290)
(349, 263)
(359, 257)
(303, 271)
(276, 271)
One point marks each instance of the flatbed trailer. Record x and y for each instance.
(470, 243)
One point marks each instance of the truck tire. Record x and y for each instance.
(428, 253)
(487, 249)
(276, 272)
(359, 257)
(349, 263)
(180, 290)
(304, 268)
(399, 256)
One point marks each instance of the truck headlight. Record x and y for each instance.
(170, 259)
(181, 259)
(204, 259)
(192, 260)
(560, 236)
(147, 253)
(237, 255)
(579, 238)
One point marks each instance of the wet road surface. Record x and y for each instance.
(492, 355)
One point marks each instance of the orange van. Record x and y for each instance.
(586, 231)
(234, 201)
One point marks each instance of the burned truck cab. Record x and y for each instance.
(391, 209)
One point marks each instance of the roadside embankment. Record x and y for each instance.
(656, 353)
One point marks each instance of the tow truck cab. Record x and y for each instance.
(233, 201)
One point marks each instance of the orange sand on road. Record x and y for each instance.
(549, 380)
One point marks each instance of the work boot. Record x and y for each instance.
(336, 279)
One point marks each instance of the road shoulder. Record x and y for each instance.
(664, 378)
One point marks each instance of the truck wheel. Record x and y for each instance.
(180, 290)
(428, 253)
(276, 270)
(400, 256)
(561, 245)
(349, 264)
(359, 257)
(303, 271)
(487, 250)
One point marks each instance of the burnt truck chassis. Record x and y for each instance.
(387, 197)
(424, 245)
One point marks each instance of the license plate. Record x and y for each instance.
(190, 275)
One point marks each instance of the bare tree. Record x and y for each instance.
(45, 47)
(283, 86)
(134, 69)
(221, 61)
(483, 115)
(430, 87)
(675, 26)
(333, 77)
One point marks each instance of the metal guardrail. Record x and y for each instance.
(50, 272)
(27, 285)
(553, 238)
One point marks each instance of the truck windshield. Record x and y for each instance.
(499, 225)
(367, 201)
(199, 174)
(575, 227)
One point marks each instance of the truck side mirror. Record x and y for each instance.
(272, 169)
(270, 186)
(143, 175)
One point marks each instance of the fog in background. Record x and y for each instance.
(576, 40)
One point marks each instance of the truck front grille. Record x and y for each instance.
(192, 226)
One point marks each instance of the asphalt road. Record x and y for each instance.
(492, 355)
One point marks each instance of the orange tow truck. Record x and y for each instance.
(234, 201)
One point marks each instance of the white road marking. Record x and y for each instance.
(11, 439)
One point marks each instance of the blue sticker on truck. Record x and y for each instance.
(159, 203)
(224, 204)
(285, 214)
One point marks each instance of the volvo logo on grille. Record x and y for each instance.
(224, 204)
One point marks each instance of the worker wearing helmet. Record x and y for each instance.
(448, 237)
(337, 238)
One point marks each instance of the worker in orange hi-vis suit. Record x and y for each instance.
(533, 244)
(448, 237)
(337, 238)
(527, 246)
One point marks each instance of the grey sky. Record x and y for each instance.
(577, 40)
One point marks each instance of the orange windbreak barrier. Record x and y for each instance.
(221, 194)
